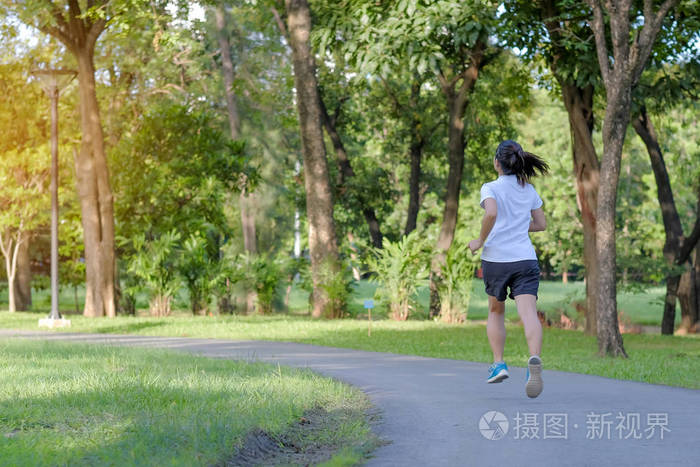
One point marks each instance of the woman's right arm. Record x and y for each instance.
(538, 222)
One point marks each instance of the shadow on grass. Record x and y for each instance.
(158, 423)
(144, 434)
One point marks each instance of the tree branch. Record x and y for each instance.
(95, 31)
(641, 50)
(390, 92)
(691, 240)
(598, 27)
(689, 243)
(57, 14)
(444, 83)
(280, 22)
(60, 35)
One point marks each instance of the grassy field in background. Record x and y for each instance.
(74, 404)
(641, 308)
(671, 360)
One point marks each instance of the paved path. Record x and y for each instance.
(432, 407)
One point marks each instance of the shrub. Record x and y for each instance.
(154, 263)
(455, 288)
(400, 268)
(260, 273)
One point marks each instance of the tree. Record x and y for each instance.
(78, 26)
(246, 198)
(319, 205)
(552, 29)
(23, 128)
(173, 174)
(620, 69)
(665, 85)
(446, 37)
(23, 201)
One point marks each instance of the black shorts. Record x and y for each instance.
(522, 277)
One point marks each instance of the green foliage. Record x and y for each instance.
(400, 268)
(24, 197)
(154, 263)
(202, 271)
(336, 282)
(24, 200)
(173, 172)
(432, 36)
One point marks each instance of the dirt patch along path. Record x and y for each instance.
(440, 412)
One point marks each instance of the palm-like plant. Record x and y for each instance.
(400, 268)
(456, 285)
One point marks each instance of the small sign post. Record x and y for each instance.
(369, 304)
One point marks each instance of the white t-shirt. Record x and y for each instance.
(509, 239)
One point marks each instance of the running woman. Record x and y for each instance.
(512, 209)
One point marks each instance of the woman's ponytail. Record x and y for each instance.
(516, 161)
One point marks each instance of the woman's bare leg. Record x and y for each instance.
(496, 328)
(527, 309)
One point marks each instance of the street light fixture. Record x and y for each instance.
(53, 81)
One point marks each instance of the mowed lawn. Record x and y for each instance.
(75, 404)
(671, 360)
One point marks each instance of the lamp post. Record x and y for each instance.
(53, 81)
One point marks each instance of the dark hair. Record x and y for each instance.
(515, 161)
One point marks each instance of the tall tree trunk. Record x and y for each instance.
(617, 117)
(579, 107)
(620, 67)
(9, 245)
(23, 279)
(227, 70)
(79, 32)
(323, 243)
(457, 98)
(686, 298)
(96, 200)
(246, 199)
(696, 290)
(345, 171)
(672, 222)
(246, 203)
(415, 154)
(578, 102)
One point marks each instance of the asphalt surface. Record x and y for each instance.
(435, 412)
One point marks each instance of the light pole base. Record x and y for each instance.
(54, 323)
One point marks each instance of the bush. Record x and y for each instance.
(201, 270)
(154, 263)
(262, 274)
(400, 268)
(338, 286)
(455, 288)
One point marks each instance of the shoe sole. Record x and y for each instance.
(498, 378)
(533, 387)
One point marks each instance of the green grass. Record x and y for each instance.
(74, 404)
(641, 307)
(670, 360)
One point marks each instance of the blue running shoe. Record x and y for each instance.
(497, 372)
(533, 386)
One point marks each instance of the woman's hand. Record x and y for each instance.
(475, 244)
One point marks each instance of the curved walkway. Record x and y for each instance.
(434, 411)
